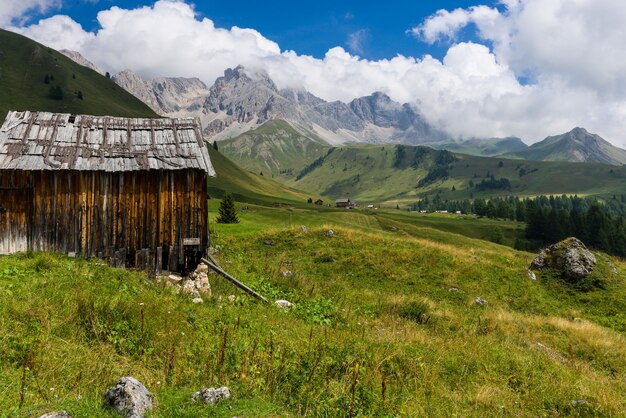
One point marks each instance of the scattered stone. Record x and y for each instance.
(578, 402)
(231, 298)
(283, 304)
(480, 301)
(569, 257)
(60, 414)
(202, 268)
(211, 396)
(174, 279)
(531, 275)
(304, 229)
(129, 398)
(613, 268)
(197, 300)
(286, 273)
(189, 288)
(455, 289)
(329, 233)
(268, 241)
(202, 283)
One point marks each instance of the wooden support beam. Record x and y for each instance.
(234, 281)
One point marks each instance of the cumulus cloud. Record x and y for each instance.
(15, 11)
(571, 53)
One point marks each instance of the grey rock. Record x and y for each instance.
(197, 300)
(569, 257)
(455, 290)
(211, 396)
(283, 304)
(329, 233)
(286, 273)
(174, 279)
(60, 414)
(480, 301)
(304, 229)
(129, 397)
(578, 402)
(190, 289)
(531, 275)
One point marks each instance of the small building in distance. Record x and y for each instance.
(345, 203)
(133, 191)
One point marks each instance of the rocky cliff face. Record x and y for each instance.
(167, 95)
(242, 100)
(79, 59)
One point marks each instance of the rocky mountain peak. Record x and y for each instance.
(78, 58)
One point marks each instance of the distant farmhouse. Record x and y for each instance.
(130, 190)
(345, 203)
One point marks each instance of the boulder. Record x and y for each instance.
(569, 257)
(286, 273)
(304, 229)
(531, 275)
(129, 397)
(197, 300)
(60, 414)
(211, 396)
(329, 233)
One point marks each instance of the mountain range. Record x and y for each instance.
(240, 101)
(577, 145)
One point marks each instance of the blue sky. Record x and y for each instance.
(474, 68)
(309, 27)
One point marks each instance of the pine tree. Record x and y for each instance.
(228, 214)
(46, 79)
(215, 145)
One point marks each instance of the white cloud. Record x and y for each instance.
(14, 11)
(356, 40)
(572, 52)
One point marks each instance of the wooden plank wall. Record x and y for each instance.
(15, 198)
(132, 218)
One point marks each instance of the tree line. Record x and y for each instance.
(600, 224)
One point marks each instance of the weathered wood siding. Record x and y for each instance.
(135, 218)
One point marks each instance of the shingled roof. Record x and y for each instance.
(60, 141)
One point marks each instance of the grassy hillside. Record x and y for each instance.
(24, 65)
(483, 147)
(375, 329)
(274, 149)
(577, 145)
(247, 186)
(402, 174)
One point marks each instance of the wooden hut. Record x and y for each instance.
(133, 191)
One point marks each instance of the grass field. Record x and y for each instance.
(374, 331)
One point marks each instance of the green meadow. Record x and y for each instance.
(383, 324)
